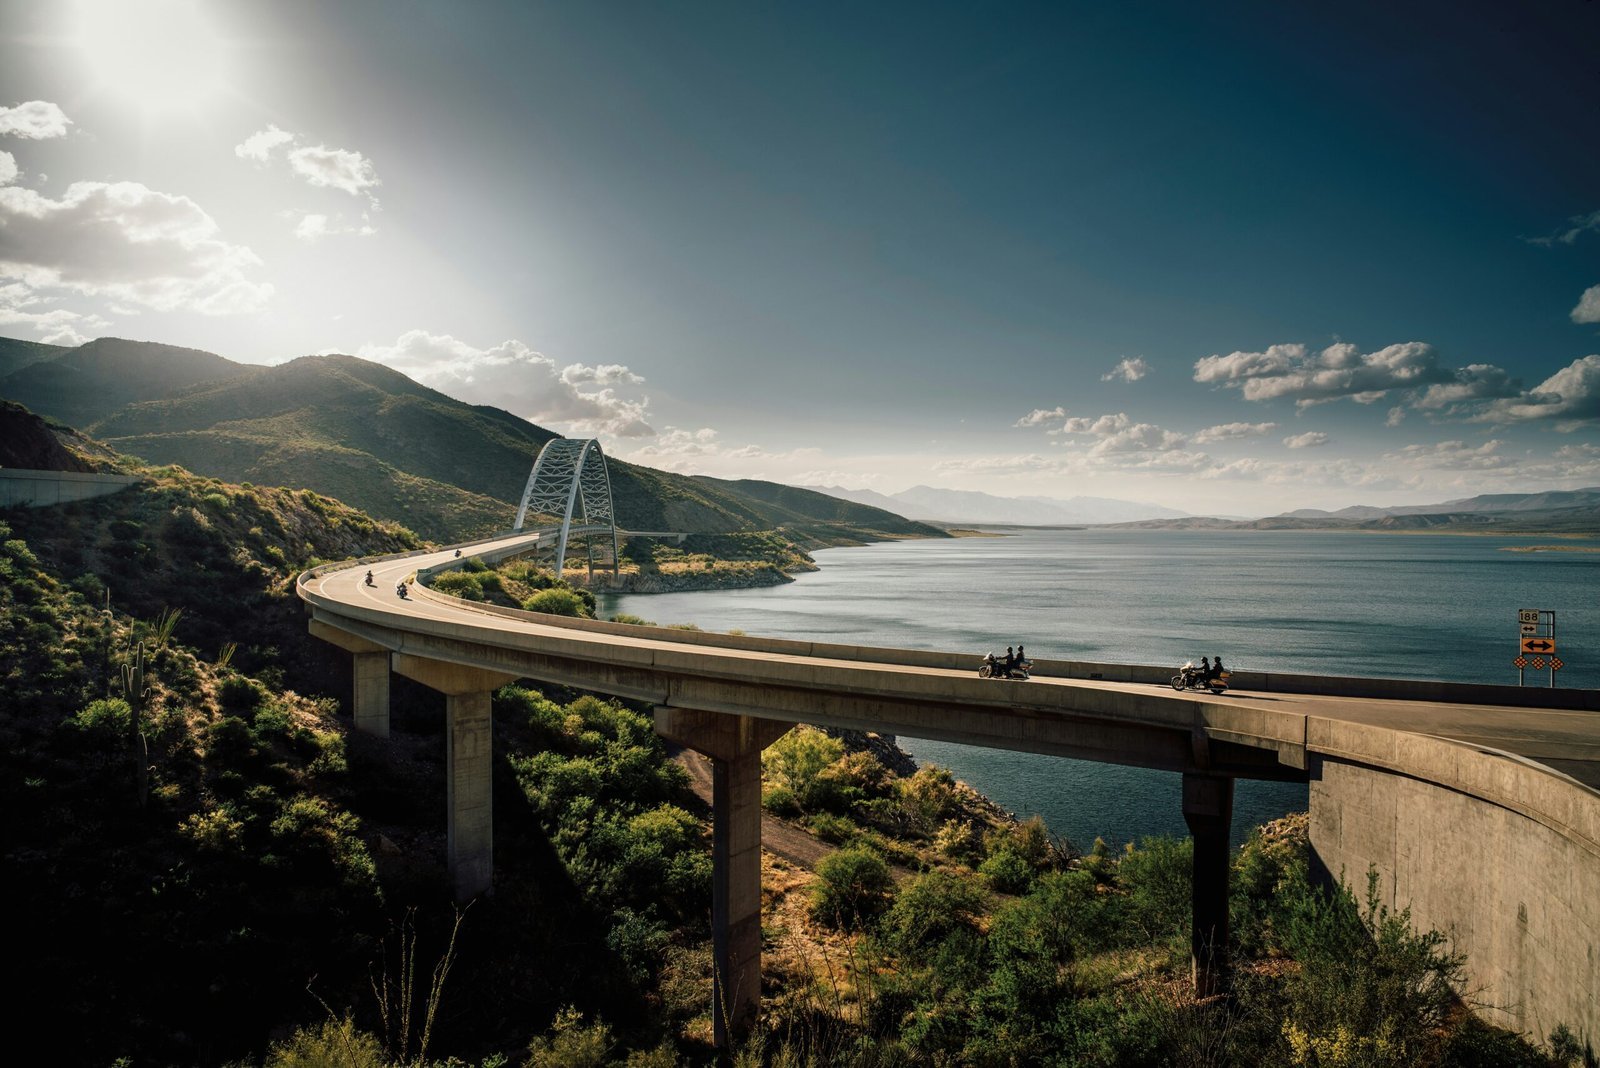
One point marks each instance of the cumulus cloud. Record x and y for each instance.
(1016, 464)
(260, 145)
(703, 452)
(1397, 415)
(1588, 309)
(129, 243)
(1043, 417)
(1339, 371)
(1569, 399)
(1232, 432)
(1128, 369)
(22, 306)
(335, 168)
(8, 168)
(35, 120)
(511, 375)
(1309, 440)
(341, 169)
(1475, 382)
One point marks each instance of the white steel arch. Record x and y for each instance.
(570, 474)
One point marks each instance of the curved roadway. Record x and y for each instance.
(1564, 740)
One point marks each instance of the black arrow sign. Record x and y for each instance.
(1538, 645)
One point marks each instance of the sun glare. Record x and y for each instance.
(155, 55)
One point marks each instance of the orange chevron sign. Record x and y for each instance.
(1538, 645)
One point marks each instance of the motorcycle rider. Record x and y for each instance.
(1022, 657)
(1216, 669)
(1204, 672)
(369, 579)
(1010, 661)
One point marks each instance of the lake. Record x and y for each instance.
(1380, 605)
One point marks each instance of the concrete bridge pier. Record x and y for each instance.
(734, 744)
(469, 766)
(370, 678)
(1208, 810)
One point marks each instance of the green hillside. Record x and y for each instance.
(16, 353)
(81, 385)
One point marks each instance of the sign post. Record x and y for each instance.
(1537, 638)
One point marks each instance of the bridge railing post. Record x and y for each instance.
(1208, 810)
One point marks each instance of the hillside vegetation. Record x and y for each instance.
(83, 384)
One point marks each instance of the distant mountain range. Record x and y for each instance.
(1484, 503)
(985, 509)
(1545, 511)
(379, 441)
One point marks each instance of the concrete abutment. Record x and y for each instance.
(1208, 810)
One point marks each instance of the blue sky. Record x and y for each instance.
(1235, 258)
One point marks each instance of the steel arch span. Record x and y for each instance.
(570, 475)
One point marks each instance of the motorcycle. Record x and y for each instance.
(994, 667)
(1190, 677)
(369, 579)
(400, 590)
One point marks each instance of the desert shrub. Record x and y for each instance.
(559, 602)
(853, 887)
(832, 828)
(228, 741)
(334, 1044)
(626, 617)
(240, 696)
(1007, 871)
(1157, 875)
(572, 1043)
(474, 565)
(1262, 871)
(796, 762)
(780, 801)
(929, 797)
(458, 584)
(108, 716)
(958, 840)
(930, 908)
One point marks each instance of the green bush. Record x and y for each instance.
(637, 621)
(1008, 872)
(929, 797)
(335, 1044)
(558, 602)
(780, 801)
(1157, 876)
(930, 908)
(240, 696)
(572, 1043)
(458, 584)
(797, 762)
(109, 716)
(853, 887)
(474, 564)
(832, 828)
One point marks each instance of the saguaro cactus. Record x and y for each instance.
(137, 690)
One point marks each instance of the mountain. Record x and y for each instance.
(381, 442)
(1583, 519)
(26, 441)
(16, 353)
(87, 383)
(1483, 504)
(969, 506)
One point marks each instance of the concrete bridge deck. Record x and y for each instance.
(1408, 777)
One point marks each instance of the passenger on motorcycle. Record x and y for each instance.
(1216, 669)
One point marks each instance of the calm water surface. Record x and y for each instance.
(1393, 606)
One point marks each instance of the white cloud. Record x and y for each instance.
(1042, 417)
(702, 452)
(1475, 382)
(36, 120)
(314, 226)
(513, 376)
(335, 168)
(129, 243)
(1570, 398)
(1397, 415)
(1588, 309)
(1452, 456)
(341, 169)
(1128, 369)
(8, 168)
(260, 145)
(1341, 370)
(1016, 464)
(1576, 227)
(1232, 432)
(1309, 440)
(606, 374)
(21, 306)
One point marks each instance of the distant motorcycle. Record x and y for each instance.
(994, 667)
(1190, 677)
(400, 590)
(369, 579)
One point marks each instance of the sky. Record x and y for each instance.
(1234, 258)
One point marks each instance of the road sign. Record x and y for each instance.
(1530, 629)
(1527, 615)
(1520, 662)
(1538, 662)
(1538, 645)
(1556, 664)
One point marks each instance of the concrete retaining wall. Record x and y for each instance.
(1515, 884)
(21, 488)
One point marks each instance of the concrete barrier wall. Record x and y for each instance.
(1500, 853)
(21, 488)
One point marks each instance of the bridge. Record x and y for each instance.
(1478, 806)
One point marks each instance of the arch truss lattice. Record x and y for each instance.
(568, 478)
